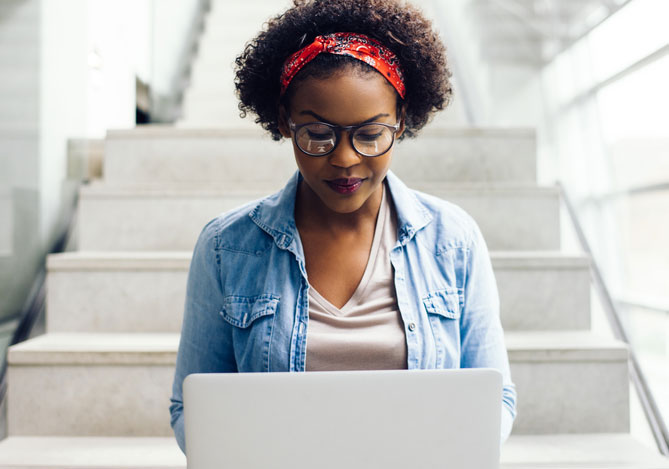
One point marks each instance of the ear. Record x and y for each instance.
(284, 129)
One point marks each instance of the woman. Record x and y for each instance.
(345, 267)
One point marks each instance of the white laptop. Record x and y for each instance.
(418, 419)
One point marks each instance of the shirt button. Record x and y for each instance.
(412, 326)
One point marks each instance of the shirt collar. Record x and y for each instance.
(276, 214)
(412, 215)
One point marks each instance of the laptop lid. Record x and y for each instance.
(344, 419)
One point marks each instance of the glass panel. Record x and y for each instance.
(635, 126)
(607, 141)
(644, 229)
(649, 334)
(643, 226)
(635, 31)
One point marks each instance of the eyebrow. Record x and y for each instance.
(323, 119)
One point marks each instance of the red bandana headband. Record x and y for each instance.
(354, 45)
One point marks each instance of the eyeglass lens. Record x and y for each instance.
(368, 140)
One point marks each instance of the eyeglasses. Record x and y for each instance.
(320, 139)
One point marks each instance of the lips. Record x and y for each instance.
(345, 185)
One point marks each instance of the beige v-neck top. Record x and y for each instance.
(367, 333)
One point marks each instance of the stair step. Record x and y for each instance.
(145, 291)
(583, 451)
(238, 19)
(99, 385)
(223, 113)
(184, 155)
(543, 290)
(569, 382)
(208, 61)
(120, 384)
(230, 40)
(135, 219)
(620, 451)
(34, 452)
(116, 292)
(212, 70)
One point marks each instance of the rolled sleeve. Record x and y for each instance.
(205, 345)
(482, 336)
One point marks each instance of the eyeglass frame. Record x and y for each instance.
(337, 131)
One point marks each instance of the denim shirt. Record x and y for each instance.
(247, 307)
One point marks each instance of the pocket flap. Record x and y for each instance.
(241, 311)
(444, 303)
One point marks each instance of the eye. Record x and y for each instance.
(324, 135)
(317, 132)
(368, 136)
(370, 133)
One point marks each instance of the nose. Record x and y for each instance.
(344, 155)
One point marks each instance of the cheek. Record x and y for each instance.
(308, 165)
(381, 164)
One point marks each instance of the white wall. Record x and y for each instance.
(118, 50)
(67, 70)
(63, 100)
(87, 55)
(91, 52)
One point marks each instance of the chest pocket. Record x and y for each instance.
(253, 321)
(242, 311)
(443, 312)
(443, 303)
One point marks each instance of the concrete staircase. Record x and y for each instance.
(94, 391)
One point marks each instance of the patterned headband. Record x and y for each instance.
(354, 45)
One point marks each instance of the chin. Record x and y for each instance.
(341, 206)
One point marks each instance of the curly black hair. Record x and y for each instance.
(398, 25)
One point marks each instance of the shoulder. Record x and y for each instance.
(234, 230)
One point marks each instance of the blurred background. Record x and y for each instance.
(589, 75)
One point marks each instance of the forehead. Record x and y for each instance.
(346, 98)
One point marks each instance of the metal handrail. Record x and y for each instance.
(650, 408)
